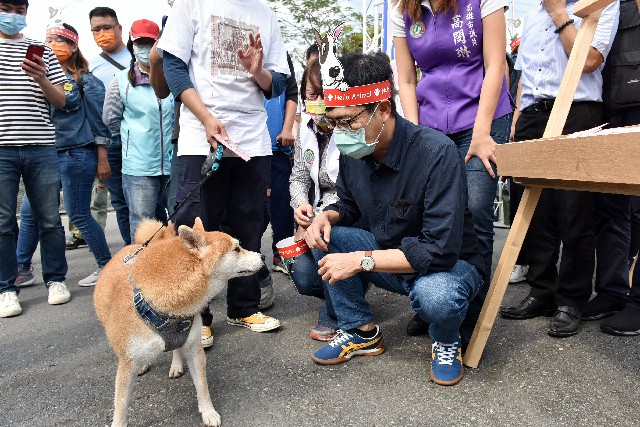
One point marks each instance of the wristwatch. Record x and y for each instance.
(367, 263)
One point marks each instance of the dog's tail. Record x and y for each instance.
(148, 227)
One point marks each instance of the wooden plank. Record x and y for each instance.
(587, 7)
(571, 77)
(597, 187)
(501, 276)
(574, 159)
(529, 201)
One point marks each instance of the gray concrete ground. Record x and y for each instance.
(57, 369)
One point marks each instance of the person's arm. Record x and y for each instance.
(271, 83)
(37, 70)
(558, 13)
(287, 137)
(93, 90)
(113, 108)
(493, 49)
(407, 79)
(300, 178)
(156, 73)
(177, 76)
(517, 113)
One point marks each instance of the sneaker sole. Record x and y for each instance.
(87, 285)
(611, 331)
(26, 283)
(13, 313)
(254, 327)
(373, 352)
(70, 248)
(59, 302)
(323, 338)
(452, 382)
(207, 342)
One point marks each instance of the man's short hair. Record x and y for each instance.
(313, 48)
(103, 12)
(368, 68)
(16, 2)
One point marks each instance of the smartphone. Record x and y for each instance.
(34, 50)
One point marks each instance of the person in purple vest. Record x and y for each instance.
(459, 48)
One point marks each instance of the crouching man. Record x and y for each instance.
(409, 183)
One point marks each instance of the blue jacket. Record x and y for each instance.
(79, 123)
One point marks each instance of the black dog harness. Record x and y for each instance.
(173, 330)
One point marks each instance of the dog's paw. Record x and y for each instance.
(176, 371)
(211, 418)
(144, 370)
(343, 87)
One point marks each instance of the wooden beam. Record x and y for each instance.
(586, 7)
(596, 187)
(531, 195)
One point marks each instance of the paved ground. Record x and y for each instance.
(56, 369)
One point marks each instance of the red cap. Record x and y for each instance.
(515, 43)
(144, 28)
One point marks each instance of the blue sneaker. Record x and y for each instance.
(446, 366)
(347, 344)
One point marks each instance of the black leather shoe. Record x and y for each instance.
(529, 308)
(565, 322)
(602, 306)
(417, 327)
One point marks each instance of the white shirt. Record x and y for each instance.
(543, 60)
(487, 7)
(206, 35)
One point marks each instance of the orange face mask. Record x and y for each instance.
(62, 51)
(105, 38)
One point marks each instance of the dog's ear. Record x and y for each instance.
(194, 242)
(197, 226)
(318, 38)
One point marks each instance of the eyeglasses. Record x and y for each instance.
(343, 124)
(312, 96)
(98, 30)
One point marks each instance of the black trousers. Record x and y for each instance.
(234, 195)
(561, 215)
(615, 232)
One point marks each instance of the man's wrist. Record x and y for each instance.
(559, 17)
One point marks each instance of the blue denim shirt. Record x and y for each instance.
(415, 200)
(79, 122)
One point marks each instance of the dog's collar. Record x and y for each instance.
(173, 330)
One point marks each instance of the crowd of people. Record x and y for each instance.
(403, 202)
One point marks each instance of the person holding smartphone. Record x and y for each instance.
(27, 151)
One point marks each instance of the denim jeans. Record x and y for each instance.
(114, 184)
(28, 234)
(280, 211)
(308, 282)
(440, 298)
(143, 195)
(38, 166)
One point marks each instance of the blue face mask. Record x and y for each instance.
(12, 23)
(353, 143)
(142, 53)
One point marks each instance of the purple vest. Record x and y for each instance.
(448, 50)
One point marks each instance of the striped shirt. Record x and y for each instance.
(24, 111)
(543, 59)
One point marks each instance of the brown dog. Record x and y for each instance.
(173, 279)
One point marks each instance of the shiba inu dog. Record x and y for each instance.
(151, 303)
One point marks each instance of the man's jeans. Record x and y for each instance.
(114, 184)
(440, 298)
(38, 166)
(147, 197)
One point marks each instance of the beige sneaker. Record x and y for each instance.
(9, 304)
(257, 322)
(206, 337)
(58, 293)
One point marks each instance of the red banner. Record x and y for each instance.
(358, 95)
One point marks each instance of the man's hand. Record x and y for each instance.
(556, 9)
(36, 69)
(483, 147)
(216, 131)
(103, 169)
(251, 59)
(337, 267)
(303, 215)
(154, 56)
(286, 138)
(319, 232)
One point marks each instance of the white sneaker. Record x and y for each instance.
(519, 273)
(91, 279)
(58, 293)
(9, 304)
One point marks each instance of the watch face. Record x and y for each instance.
(367, 263)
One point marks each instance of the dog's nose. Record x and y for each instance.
(334, 72)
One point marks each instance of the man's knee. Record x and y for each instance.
(436, 297)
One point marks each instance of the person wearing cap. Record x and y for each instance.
(81, 141)
(145, 125)
(222, 59)
(561, 216)
(409, 183)
(27, 152)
